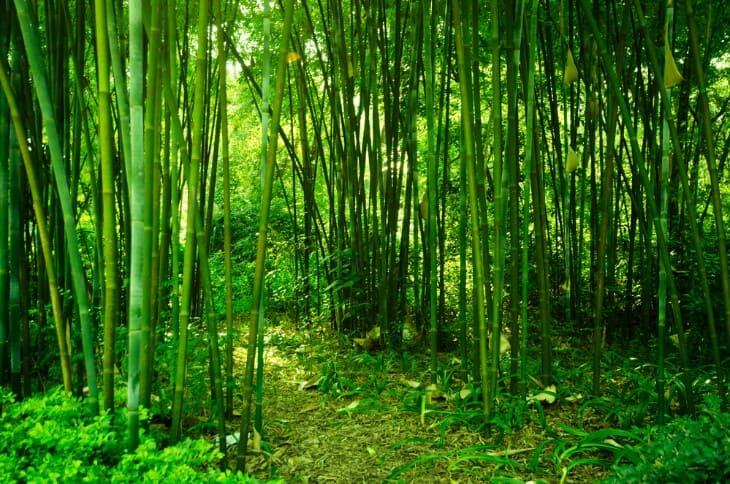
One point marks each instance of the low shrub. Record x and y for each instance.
(685, 450)
(47, 438)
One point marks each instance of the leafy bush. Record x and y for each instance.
(47, 438)
(686, 450)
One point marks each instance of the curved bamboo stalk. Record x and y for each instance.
(43, 233)
(40, 83)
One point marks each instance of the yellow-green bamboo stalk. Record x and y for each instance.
(106, 148)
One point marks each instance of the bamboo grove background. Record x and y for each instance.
(175, 174)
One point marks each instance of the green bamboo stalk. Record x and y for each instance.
(135, 182)
(265, 115)
(120, 80)
(513, 33)
(499, 210)
(193, 175)
(4, 205)
(40, 83)
(476, 242)
(256, 307)
(432, 177)
(225, 159)
(171, 72)
(530, 143)
(664, 224)
(15, 262)
(106, 147)
(151, 156)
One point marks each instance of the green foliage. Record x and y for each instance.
(686, 450)
(48, 438)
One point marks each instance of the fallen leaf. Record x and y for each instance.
(413, 384)
(353, 404)
(545, 396)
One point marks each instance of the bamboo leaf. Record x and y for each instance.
(572, 163)
(672, 77)
(570, 74)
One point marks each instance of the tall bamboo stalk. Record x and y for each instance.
(135, 182)
(530, 152)
(256, 306)
(228, 261)
(432, 175)
(150, 189)
(15, 264)
(499, 209)
(478, 266)
(4, 205)
(106, 147)
(664, 226)
(193, 174)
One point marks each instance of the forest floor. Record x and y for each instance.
(333, 413)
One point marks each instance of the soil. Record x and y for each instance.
(336, 414)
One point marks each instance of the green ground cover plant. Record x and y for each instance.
(50, 438)
(685, 450)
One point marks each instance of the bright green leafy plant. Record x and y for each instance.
(685, 450)
(48, 438)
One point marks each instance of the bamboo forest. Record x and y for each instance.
(391, 241)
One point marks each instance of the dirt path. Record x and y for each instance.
(332, 415)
